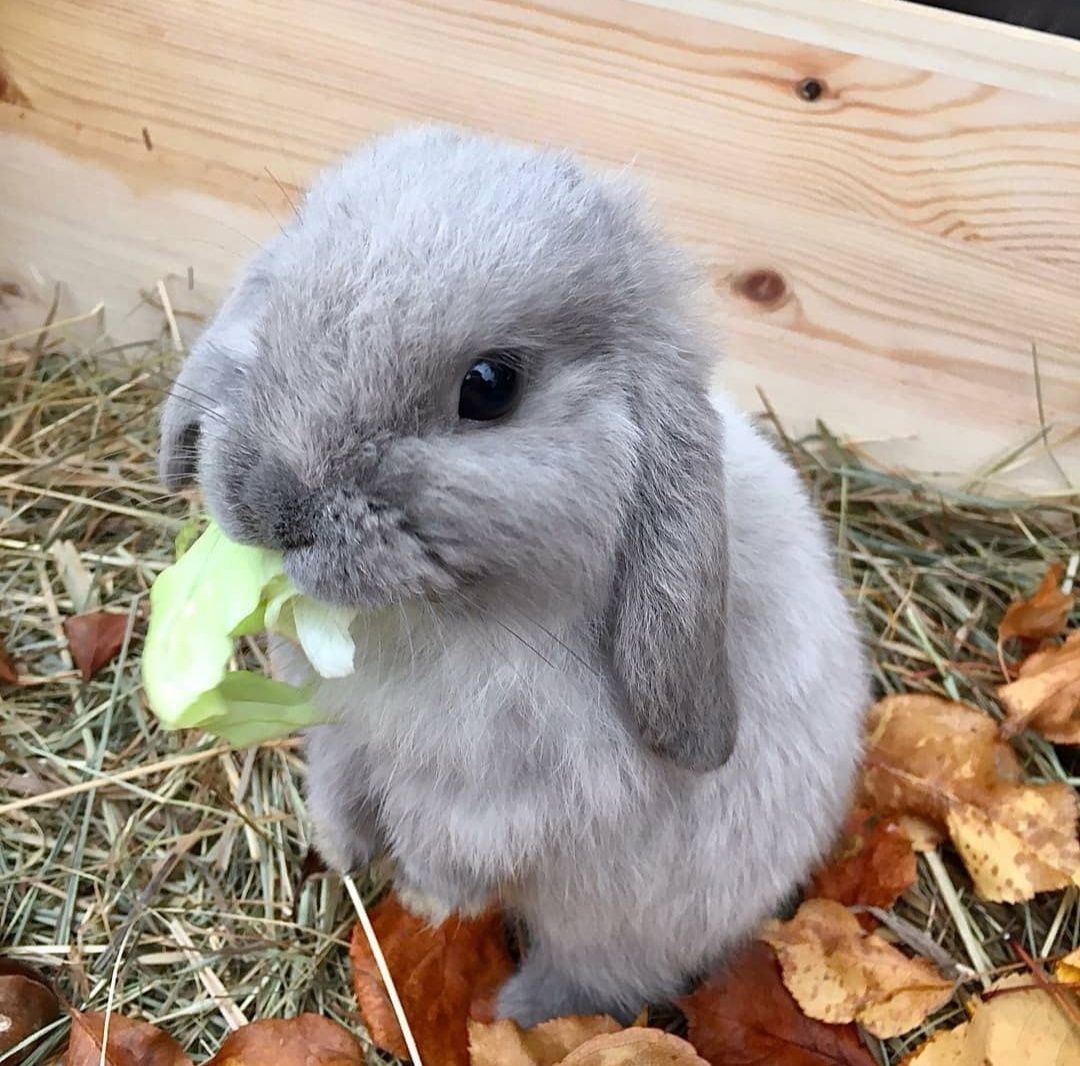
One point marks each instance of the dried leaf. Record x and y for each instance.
(130, 1043)
(838, 972)
(505, 1043)
(1046, 695)
(1021, 1024)
(27, 1005)
(306, 1040)
(873, 865)
(440, 972)
(95, 639)
(945, 762)
(635, 1047)
(8, 674)
(1022, 843)
(1043, 614)
(1067, 969)
(745, 1016)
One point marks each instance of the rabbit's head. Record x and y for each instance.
(466, 367)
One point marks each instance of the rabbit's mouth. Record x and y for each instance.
(370, 568)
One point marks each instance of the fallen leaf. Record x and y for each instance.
(1018, 1022)
(873, 864)
(1022, 842)
(744, 1016)
(27, 1005)
(838, 972)
(95, 639)
(1046, 695)
(131, 1043)
(505, 1043)
(8, 674)
(1043, 614)
(440, 973)
(1067, 969)
(306, 1040)
(635, 1047)
(944, 762)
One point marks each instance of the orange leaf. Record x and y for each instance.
(744, 1016)
(8, 674)
(505, 1043)
(1043, 614)
(440, 972)
(946, 763)
(634, 1047)
(95, 639)
(27, 1005)
(307, 1040)
(873, 865)
(838, 972)
(1046, 695)
(130, 1043)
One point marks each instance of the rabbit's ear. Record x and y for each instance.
(227, 343)
(666, 628)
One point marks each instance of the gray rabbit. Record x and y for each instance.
(605, 673)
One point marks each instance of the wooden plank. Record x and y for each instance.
(945, 42)
(925, 230)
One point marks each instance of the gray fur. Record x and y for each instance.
(606, 673)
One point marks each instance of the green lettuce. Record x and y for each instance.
(216, 591)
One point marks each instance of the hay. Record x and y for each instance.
(160, 873)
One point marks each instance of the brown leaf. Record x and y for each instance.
(946, 763)
(1021, 1024)
(1043, 614)
(8, 674)
(634, 1047)
(505, 1043)
(1046, 695)
(95, 639)
(873, 865)
(130, 1043)
(306, 1040)
(27, 1005)
(838, 972)
(440, 972)
(745, 1016)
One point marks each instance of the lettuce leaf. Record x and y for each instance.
(216, 591)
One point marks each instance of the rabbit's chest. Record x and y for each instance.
(453, 699)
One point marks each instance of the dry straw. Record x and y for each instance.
(168, 867)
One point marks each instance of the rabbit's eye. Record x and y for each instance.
(489, 390)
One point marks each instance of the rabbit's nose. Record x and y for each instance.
(285, 510)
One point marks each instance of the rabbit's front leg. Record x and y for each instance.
(342, 811)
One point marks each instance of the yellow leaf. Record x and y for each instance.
(840, 973)
(943, 765)
(635, 1047)
(1046, 695)
(1024, 842)
(1067, 971)
(1024, 1024)
(505, 1043)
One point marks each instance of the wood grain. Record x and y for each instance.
(883, 257)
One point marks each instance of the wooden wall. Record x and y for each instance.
(884, 256)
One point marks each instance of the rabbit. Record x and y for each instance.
(605, 674)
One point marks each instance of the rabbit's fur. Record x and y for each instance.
(606, 673)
